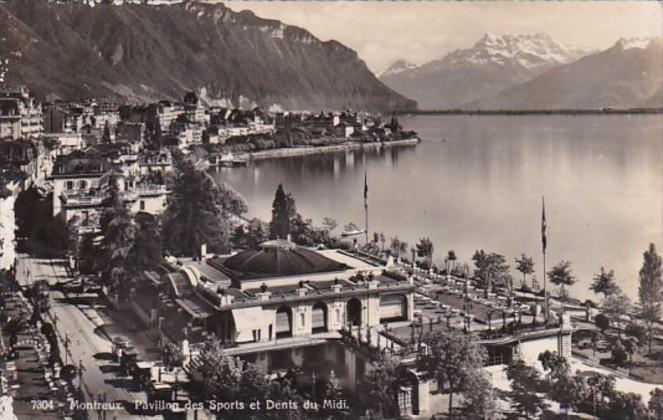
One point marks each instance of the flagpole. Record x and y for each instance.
(544, 243)
(365, 206)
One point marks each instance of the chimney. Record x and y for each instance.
(203, 251)
(289, 238)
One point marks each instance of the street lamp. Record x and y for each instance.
(66, 347)
(81, 369)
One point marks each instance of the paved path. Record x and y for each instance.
(89, 346)
(621, 383)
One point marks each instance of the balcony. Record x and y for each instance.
(150, 190)
(79, 198)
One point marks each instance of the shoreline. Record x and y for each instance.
(517, 112)
(311, 150)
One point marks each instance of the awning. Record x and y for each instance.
(197, 308)
(247, 320)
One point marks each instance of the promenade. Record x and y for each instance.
(88, 343)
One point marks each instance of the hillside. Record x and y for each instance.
(145, 52)
(627, 75)
(491, 65)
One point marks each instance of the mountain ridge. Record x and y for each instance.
(492, 64)
(145, 52)
(627, 75)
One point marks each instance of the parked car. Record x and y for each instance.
(602, 346)
(585, 344)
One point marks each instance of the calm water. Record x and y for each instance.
(319, 359)
(476, 182)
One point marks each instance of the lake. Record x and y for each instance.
(475, 182)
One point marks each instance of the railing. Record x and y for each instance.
(82, 199)
(150, 189)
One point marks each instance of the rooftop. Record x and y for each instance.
(278, 258)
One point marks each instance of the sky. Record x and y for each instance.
(382, 32)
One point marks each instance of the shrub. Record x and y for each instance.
(636, 330)
(618, 352)
(602, 322)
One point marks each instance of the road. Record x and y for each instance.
(88, 345)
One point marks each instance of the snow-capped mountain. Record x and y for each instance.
(398, 66)
(627, 75)
(492, 64)
(530, 51)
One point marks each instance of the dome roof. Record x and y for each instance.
(279, 258)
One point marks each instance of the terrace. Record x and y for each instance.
(444, 303)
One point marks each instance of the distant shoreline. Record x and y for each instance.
(311, 150)
(632, 111)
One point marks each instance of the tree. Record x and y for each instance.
(656, 403)
(171, 354)
(630, 346)
(146, 254)
(397, 247)
(215, 375)
(604, 283)
(329, 224)
(116, 262)
(157, 140)
(601, 387)
(481, 402)
(562, 386)
(616, 306)
(637, 331)
(602, 322)
(378, 391)
(256, 233)
(331, 391)
(425, 249)
(525, 265)
(554, 365)
(87, 254)
(454, 360)
(283, 211)
(650, 291)
(229, 200)
(383, 240)
(452, 258)
(625, 406)
(194, 216)
(618, 353)
(106, 135)
(525, 381)
(491, 269)
(561, 276)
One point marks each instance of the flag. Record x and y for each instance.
(365, 189)
(544, 239)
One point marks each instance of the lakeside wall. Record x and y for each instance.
(310, 150)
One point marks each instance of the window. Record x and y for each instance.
(302, 319)
(82, 184)
(142, 205)
(70, 185)
(338, 315)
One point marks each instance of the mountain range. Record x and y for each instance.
(534, 72)
(138, 52)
